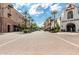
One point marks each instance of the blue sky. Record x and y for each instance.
(40, 11)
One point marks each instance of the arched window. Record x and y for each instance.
(69, 15)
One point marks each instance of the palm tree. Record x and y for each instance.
(54, 12)
(25, 19)
(28, 17)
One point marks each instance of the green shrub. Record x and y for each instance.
(54, 30)
(26, 30)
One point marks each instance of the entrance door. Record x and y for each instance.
(15, 28)
(71, 27)
(8, 28)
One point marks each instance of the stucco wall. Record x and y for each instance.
(74, 20)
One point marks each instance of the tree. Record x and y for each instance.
(57, 27)
(31, 20)
(34, 26)
(27, 18)
(54, 12)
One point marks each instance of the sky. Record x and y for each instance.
(40, 11)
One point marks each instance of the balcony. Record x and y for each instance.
(10, 5)
(9, 14)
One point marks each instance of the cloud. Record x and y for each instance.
(37, 8)
(33, 10)
(55, 7)
(18, 6)
(46, 5)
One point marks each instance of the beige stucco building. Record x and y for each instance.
(70, 18)
(10, 18)
(29, 23)
(49, 24)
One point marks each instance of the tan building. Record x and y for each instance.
(10, 18)
(51, 23)
(29, 23)
(48, 24)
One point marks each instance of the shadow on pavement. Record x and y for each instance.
(1, 33)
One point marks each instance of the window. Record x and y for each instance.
(61, 25)
(78, 10)
(70, 5)
(69, 15)
(9, 14)
(10, 5)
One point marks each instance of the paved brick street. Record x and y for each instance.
(39, 42)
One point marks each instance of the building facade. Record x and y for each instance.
(28, 23)
(49, 24)
(10, 18)
(70, 19)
